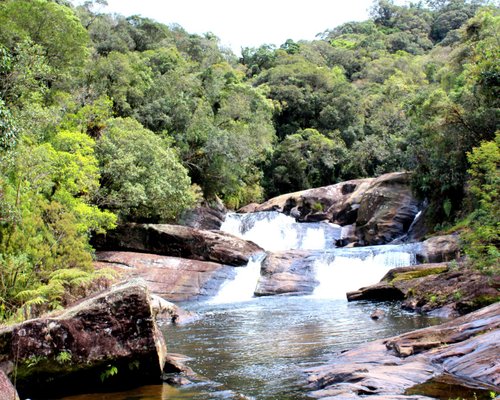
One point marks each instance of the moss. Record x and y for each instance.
(405, 276)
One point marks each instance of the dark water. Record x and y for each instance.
(258, 349)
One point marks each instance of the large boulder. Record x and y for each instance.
(179, 241)
(110, 340)
(465, 349)
(386, 210)
(380, 209)
(172, 278)
(207, 216)
(434, 288)
(288, 272)
(337, 203)
(440, 249)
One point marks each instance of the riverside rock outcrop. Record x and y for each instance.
(434, 288)
(179, 241)
(290, 272)
(7, 390)
(109, 340)
(466, 349)
(382, 209)
(172, 278)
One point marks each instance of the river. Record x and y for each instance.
(245, 347)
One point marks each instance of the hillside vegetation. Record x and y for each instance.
(107, 119)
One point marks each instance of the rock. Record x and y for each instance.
(172, 278)
(440, 249)
(7, 390)
(207, 216)
(386, 210)
(179, 241)
(165, 311)
(434, 288)
(287, 272)
(377, 314)
(382, 209)
(466, 348)
(249, 208)
(108, 341)
(337, 203)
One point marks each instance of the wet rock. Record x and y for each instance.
(179, 241)
(387, 209)
(172, 278)
(337, 203)
(108, 341)
(286, 273)
(377, 314)
(434, 288)
(389, 368)
(7, 390)
(168, 312)
(382, 208)
(249, 208)
(207, 216)
(440, 249)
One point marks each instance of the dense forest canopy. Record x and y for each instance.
(106, 119)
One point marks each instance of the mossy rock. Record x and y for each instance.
(419, 273)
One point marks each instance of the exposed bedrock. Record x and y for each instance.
(179, 241)
(172, 278)
(382, 208)
(434, 288)
(110, 340)
(464, 350)
(289, 272)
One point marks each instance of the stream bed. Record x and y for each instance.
(259, 349)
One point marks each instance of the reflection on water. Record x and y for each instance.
(258, 349)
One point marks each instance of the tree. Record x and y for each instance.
(52, 26)
(305, 159)
(141, 176)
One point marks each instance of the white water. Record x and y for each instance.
(345, 270)
(338, 270)
(242, 287)
(275, 231)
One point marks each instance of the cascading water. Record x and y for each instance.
(343, 270)
(275, 231)
(242, 287)
(338, 270)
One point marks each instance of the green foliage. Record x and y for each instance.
(53, 27)
(482, 239)
(141, 176)
(110, 371)
(64, 357)
(304, 160)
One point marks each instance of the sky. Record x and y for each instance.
(248, 23)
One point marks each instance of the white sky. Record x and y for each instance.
(249, 23)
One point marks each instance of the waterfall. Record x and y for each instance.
(275, 231)
(242, 287)
(338, 270)
(344, 270)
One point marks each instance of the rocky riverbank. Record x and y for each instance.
(464, 351)
(108, 341)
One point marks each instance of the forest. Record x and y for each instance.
(106, 119)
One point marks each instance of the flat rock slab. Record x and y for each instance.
(179, 241)
(466, 348)
(172, 278)
(110, 340)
